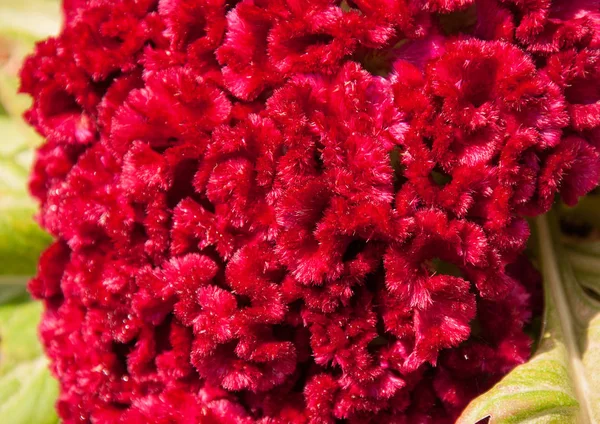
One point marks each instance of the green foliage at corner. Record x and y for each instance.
(561, 383)
(27, 390)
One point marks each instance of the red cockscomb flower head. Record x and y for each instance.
(290, 211)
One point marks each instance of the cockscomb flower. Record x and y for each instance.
(293, 211)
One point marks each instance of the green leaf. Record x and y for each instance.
(27, 389)
(21, 240)
(561, 383)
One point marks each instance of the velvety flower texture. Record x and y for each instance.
(293, 211)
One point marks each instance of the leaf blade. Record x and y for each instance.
(24, 376)
(562, 370)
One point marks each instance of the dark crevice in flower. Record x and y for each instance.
(459, 21)
(243, 301)
(440, 177)
(182, 185)
(354, 248)
(376, 62)
(63, 104)
(162, 336)
(440, 266)
(478, 81)
(301, 43)
(138, 233)
(122, 352)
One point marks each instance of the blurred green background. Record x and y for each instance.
(27, 390)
